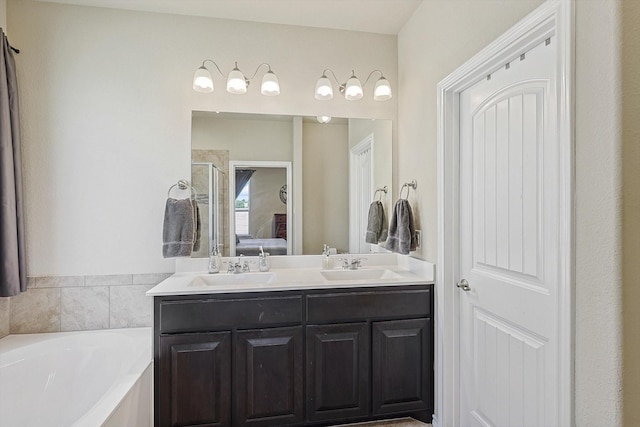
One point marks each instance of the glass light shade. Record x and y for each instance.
(236, 82)
(382, 91)
(323, 119)
(324, 90)
(353, 89)
(270, 85)
(202, 81)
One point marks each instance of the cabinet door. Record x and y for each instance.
(195, 380)
(402, 366)
(268, 385)
(337, 371)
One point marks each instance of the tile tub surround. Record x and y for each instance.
(74, 303)
(4, 317)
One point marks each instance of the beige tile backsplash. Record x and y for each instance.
(4, 317)
(84, 308)
(130, 307)
(75, 303)
(37, 310)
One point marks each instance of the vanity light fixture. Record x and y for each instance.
(323, 119)
(352, 88)
(237, 83)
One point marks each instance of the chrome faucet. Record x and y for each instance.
(238, 267)
(351, 263)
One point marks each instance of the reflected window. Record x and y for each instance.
(242, 211)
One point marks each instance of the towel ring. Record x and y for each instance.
(183, 184)
(380, 190)
(413, 184)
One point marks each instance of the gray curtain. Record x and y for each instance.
(242, 177)
(13, 266)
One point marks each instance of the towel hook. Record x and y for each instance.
(183, 184)
(380, 190)
(413, 184)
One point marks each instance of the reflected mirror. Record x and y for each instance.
(288, 183)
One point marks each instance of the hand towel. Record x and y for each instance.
(376, 224)
(179, 229)
(402, 232)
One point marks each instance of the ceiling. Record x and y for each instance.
(374, 16)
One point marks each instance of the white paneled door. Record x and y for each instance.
(360, 194)
(509, 245)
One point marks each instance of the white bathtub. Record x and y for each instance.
(79, 379)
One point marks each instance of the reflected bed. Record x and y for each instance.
(249, 246)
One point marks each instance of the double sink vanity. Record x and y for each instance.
(296, 345)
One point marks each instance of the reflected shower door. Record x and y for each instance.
(205, 178)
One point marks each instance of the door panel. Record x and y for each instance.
(195, 380)
(268, 377)
(402, 366)
(338, 371)
(509, 216)
(361, 184)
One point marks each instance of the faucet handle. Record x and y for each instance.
(230, 266)
(345, 263)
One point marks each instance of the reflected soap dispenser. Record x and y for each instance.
(215, 259)
(263, 260)
(327, 262)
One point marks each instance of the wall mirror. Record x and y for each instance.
(288, 183)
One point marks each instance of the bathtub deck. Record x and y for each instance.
(401, 422)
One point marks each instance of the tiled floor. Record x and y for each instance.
(401, 422)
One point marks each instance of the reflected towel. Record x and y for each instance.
(402, 231)
(196, 210)
(179, 229)
(376, 224)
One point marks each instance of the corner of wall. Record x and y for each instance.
(630, 210)
(598, 224)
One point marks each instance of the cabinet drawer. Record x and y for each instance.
(213, 314)
(356, 306)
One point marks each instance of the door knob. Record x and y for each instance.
(464, 285)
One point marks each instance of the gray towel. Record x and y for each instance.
(376, 224)
(179, 230)
(402, 231)
(198, 238)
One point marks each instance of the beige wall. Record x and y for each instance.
(106, 104)
(325, 159)
(265, 201)
(439, 37)
(383, 160)
(3, 15)
(246, 138)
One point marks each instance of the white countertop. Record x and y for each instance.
(403, 272)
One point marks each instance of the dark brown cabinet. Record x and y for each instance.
(402, 358)
(195, 380)
(294, 358)
(337, 371)
(280, 226)
(268, 377)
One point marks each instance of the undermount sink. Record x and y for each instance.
(233, 279)
(364, 274)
